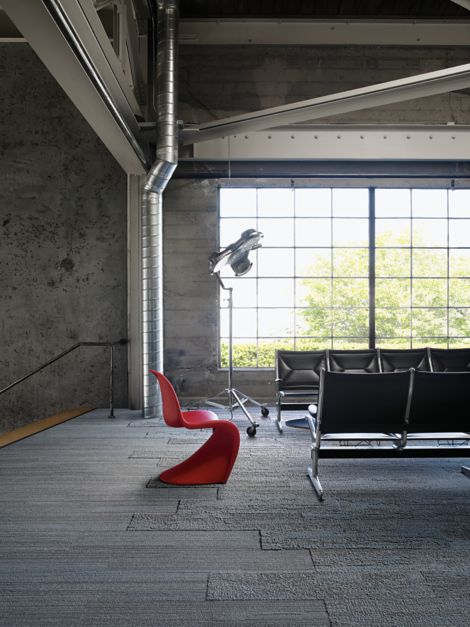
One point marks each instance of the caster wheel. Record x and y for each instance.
(251, 431)
(264, 411)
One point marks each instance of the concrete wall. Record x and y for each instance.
(63, 247)
(223, 80)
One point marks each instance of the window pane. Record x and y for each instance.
(350, 292)
(429, 203)
(275, 262)
(237, 202)
(429, 232)
(351, 322)
(276, 292)
(392, 232)
(428, 262)
(459, 293)
(351, 262)
(232, 228)
(275, 322)
(429, 322)
(313, 344)
(244, 353)
(313, 292)
(459, 203)
(393, 292)
(275, 202)
(459, 263)
(312, 202)
(244, 323)
(350, 344)
(459, 322)
(392, 323)
(395, 343)
(276, 232)
(459, 342)
(351, 202)
(459, 233)
(313, 262)
(267, 350)
(313, 232)
(421, 342)
(350, 232)
(392, 203)
(392, 262)
(244, 292)
(315, 321)
(429, 292)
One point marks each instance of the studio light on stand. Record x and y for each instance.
(236, 255)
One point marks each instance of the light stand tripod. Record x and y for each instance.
(236, 255)
(236, 398)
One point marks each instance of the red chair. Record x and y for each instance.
(213, 462)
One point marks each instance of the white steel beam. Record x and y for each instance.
(419, 86)
(463, 3)
(94, 83)
(341, 142)
(323, 32)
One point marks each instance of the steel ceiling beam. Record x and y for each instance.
(463, 3)
(419, 86)
(72, 43)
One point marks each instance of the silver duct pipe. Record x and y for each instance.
(151, 200)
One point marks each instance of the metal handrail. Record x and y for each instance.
(111, 345)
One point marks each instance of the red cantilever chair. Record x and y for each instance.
(213, 462)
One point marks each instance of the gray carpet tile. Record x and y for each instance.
(89, 536)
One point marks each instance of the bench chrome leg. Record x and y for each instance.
(278, 419)
(316, 483)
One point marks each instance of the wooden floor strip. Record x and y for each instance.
(40, 425)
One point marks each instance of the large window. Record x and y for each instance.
(347, 268)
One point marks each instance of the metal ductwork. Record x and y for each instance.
(165, 87)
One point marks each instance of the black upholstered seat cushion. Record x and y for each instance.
(299, 370)
(401, 360)
(450, 359)
(353, 361)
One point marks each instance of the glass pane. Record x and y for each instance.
(275, 202)
(391, 323)
(422, 342)
(459, 342)
(350, 232)
(350, 292)
(237, 202)
(232, 228)
(275, 322)
(313, 262)
(459, 233)
(351, 322)
(313, 232)
(392, 203)
(459, 293)
(429, 203)
(429, 232)
(244, 292)
(429, 262)
(392, 262)
(313, 344)
(277, 232)
(244, 353)
(459, 322)
(392, 232)
(313, 292)
(395, 343)
(351, 262)
(275, 262)
(429, 292)
(351, 202)
(276, 292)
(392, 292)
(312, 202)
(267, 350)
(350, 344)
(429, 322)
(459, 203)
(459, 263)
(315, 321)
(244, 323)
